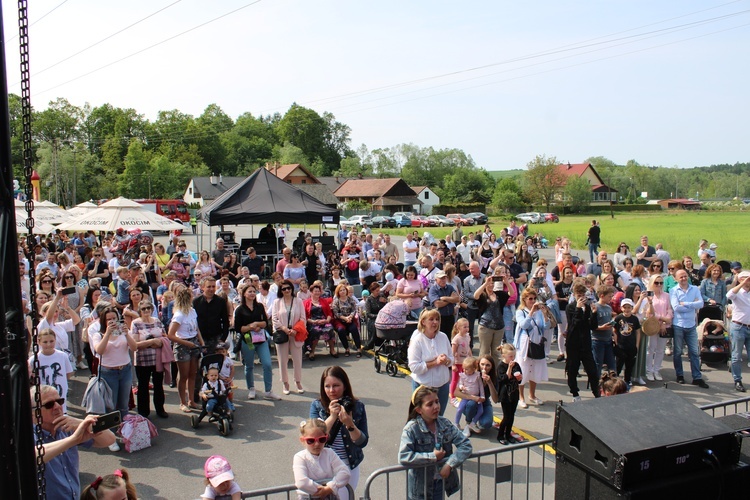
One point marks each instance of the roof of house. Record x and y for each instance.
(386, 201)
(418, 189)
(320, 192)
(578, 169)
(334, 183)
(203, 188)
(283, 171)
(373, 188)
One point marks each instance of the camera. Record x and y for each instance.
(497, 278)
(347, 403)
(650, 293)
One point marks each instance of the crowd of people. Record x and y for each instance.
(144, 321)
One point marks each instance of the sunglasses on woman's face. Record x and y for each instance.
(69, 277)
(321, 440)
(286, 289)
(46, 282)
(51, 404)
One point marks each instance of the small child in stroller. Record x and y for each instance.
(214, 393)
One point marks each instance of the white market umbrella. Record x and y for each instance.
(46, 211)
(40, 227)
(121, 213)
(82, 208)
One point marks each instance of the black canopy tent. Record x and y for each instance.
(264, 198)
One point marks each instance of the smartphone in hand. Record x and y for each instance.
(106, 421)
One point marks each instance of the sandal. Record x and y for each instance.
(185, 409)
(311, 357)
(359, 354)
(334, 354)
(346, 353)
(193, 406)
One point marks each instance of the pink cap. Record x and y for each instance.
(218, 470)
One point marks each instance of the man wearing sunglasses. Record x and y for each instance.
(62, 434)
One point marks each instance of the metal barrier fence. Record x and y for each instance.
(288, 491)
(524, 470)
(741, 405)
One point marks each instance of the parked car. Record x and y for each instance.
(420, 221)
(342, 221)
(402, 220)
(402, 214)
(441, 220)
(383, 221)
(478, 217)
(531, 217)
(463, 219)
(549, 217)
(360, 220)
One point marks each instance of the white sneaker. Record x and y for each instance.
(576, 399)
(81, 365)
(270, 396)
(474, 428)
(251, 393)
(454, 402)
(467, 431)
(658, 376)
(522, 404)
(640, 381)
(114, 447)
(667, 351)
(650, 376)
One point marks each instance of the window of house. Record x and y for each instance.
(426, 195)
(304, 181)
(190, 190)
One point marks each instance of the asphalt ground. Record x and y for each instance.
(265, 435)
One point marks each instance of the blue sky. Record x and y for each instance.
(664, 83)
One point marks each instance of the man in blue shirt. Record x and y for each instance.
(62, 434)
(686, 299)
(444, 298)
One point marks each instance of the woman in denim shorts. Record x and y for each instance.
(187, 339)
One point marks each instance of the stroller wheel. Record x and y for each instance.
(378, 363)
(194, 421)
(391, 368)
(224, 427)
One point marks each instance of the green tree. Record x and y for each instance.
(467, 185)
(210, 127)
(508, 201)
(289, 154)
(387, 162)
(543, 181)
(305, 129)
(577, 193)
(135, 180)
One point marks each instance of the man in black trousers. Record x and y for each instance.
(581, 315)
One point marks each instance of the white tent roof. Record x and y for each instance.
(46, 211)
(121, 213)
(40, 227)
(82, 208)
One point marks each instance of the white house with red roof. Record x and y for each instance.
(428, 198)
(600, 192)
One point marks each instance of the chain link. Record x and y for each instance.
(23, 37)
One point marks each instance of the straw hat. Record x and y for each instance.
(650, 326)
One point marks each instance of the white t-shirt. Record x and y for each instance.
(211, 492)
(410, 250)
(54, 370)
(61, 329)
(188, 324)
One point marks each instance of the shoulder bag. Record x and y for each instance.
(280, 336)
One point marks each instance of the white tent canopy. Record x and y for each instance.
(46, 211)
(121, 213)
(40, 227)
(82, 208)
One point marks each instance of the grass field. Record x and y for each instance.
(679, 232)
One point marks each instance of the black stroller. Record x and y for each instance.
(394, 348)
(715, 348)
(222, 413)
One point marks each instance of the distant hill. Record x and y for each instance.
(504, 174)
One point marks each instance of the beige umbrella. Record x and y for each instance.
(82, 208)
(121, 213)
(40, 227)
(46, 211)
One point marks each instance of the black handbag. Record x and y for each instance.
(536, 351)
(280, 336)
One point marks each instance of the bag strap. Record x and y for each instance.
(289, 314)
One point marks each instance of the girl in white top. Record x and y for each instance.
(185, 335)
(316, 462)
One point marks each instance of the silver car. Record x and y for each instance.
(531, 217)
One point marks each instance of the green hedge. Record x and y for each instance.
(597, 209)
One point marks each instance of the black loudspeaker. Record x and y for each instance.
(572, 482)
(632, 439)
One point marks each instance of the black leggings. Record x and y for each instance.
(626, 357)
(509, 415)
(145, 374)
(576, 356)
(349, 328)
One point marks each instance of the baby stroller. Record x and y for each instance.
(394, 348)
(221, 413)
(715, 347)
